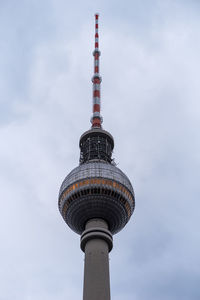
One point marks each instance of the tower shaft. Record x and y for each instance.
(96, 241)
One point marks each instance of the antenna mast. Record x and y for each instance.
(96, 119)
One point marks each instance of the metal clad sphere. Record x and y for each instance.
(96, 189)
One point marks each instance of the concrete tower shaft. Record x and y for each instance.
(96, 242)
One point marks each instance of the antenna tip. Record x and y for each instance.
(96, 15)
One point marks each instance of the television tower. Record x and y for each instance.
(96, 199)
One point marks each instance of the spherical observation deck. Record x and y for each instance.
(96, 189)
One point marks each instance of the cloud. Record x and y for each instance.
(150, 103)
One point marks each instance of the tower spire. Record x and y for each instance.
(96, 119)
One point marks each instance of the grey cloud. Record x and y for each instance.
(150, 103)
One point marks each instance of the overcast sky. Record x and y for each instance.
(150, 70)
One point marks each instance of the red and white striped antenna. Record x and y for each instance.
(96, 119)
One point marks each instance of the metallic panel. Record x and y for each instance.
(96, 169)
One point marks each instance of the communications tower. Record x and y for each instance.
(96, 199)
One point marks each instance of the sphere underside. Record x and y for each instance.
(96, 190)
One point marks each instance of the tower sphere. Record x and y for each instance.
(96, 189)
